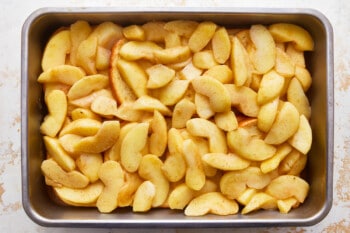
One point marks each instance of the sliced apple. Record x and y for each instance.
(121, 90)
(221, 45)
(285, 125)
(218, 95)
(65, 74)
(285, 32)
(80, 197)
(302, 139)
(271, 86)
(264, 56)
(287, 186)
(134, 76)
(297, 96)
(249, 147)
(102, 140)
(202, 35)
(87, 85)
(56, 102)
(56, 50)
(244, 98)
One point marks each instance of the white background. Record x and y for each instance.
(12, 16)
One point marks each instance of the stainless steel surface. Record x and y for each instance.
(42, 209)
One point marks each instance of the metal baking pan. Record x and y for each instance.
(43, 210)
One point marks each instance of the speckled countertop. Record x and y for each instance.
(12, 16)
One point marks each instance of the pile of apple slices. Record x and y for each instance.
(181, 114)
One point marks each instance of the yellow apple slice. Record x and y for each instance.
(56, 50)
(285, 32)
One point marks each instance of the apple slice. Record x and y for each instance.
(285, 125)
(122, 92)
(285, 32)
(56, 50)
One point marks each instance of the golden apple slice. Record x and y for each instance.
(107, 33)
(218, 95)
(225, 162)
(82, 127)
(71, 179)
(297, 96)
(56, 50)
(81, 113)
(234, 183)
(267, 115)
(121, 91)
(149, 104)
(155, 31)
(195, 176)
(151, 169)
(112, 176)
(190, 72)
(56, 103)
(226, 121)
(87, 85)
(173, 92)
(174, 167)
(201, 36)
(102, 58)
(134, 141)
(284, 64)
(180, 196)
(127, 192)
(284, 206)
(65, 74)
(259, 201)
(172, 55)
(202, 106)
(204, 59)
(246, 196)
(264, 56)
(287, 186)
(144, 196)
(159, 137)
(183, 111)
(80, 197)
(89, 164)
(244, 144)
(285, 32)
(181, 27)
(101, 141)
(270, 87)
(212, 202)
(244, 98)
(220, 72)
(134, 76)
(86, 54)
(113, 153)
(134, 32)
(285, 125)
(302, 139)
(272, 163)
(159, 75)
(296, 55)
(172, 39)
(221, 45)
(55, 150)
(135, 50)
(79, 31)
(205, 128)
(104, 106)
(86, 101)
(239, 65)
(304, 77)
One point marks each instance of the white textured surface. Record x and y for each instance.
(14, 12)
